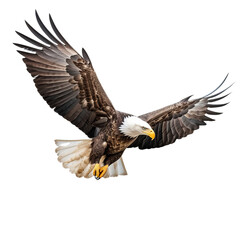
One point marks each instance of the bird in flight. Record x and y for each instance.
(68, 83)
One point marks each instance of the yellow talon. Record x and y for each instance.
(99, 172)
(103, 170)
(96, 170)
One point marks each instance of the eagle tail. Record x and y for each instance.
(74, 154)
(115, 169)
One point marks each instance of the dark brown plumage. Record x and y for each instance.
(68, 83)
(179, 120)
(66, 80)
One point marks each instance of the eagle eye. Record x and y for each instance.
(144, 128)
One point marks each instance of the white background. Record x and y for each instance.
(147, 54)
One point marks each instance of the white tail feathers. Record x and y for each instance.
(74, 154)
(115, 169)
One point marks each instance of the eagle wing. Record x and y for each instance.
(179, 120)
(66, 80)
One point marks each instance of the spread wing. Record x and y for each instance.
(179, 120)
(66, 80)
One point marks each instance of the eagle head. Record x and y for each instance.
(134, 126)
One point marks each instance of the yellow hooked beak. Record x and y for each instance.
(150, 133)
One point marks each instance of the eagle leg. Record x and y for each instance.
(99, 172)
(110, 159)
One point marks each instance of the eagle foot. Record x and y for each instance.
(98, 171)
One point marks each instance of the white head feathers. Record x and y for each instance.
(134, 126)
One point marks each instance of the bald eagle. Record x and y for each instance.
(68, 83)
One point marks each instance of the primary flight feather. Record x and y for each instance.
(68, 83)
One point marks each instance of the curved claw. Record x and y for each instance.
(99, 172)
(96, 170)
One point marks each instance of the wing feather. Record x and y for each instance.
(45, 30)
(65, 79)
(180, 119)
